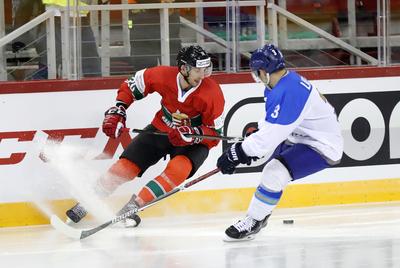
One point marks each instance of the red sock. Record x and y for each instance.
(120, 172)
(177, 171)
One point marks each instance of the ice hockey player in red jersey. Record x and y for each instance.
(192, 103)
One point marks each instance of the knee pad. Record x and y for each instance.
(124, 169)
(178, 169)
(275, 176)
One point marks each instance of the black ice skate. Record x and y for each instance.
(76, 213)
(133, 220)
(245, 229)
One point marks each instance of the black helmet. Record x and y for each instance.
(194, 56)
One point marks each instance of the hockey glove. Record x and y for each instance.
(114, 121)
(232, 157)
(177, 136)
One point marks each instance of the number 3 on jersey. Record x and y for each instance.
(275, 113)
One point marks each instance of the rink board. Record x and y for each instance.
(68, 115)
(214, 201)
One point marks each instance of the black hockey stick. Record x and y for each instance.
(67, 230)
(209, 137)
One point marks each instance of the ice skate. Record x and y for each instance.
(245, 229)
(76, 213)
(133, 220)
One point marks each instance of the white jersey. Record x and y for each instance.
(297, 112)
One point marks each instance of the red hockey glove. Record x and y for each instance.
(177, 136)
(114, 121)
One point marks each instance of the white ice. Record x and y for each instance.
(350, 236)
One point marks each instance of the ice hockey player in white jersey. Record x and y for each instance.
(299, 135)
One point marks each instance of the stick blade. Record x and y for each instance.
(62, 227)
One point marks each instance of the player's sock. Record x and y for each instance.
(120, 172)
(177, 170)
(245, 229)
(263, 202)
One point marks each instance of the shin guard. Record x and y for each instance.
(120, 172)
(274, 179)
(177, 171)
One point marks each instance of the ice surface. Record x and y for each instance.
(337, 236)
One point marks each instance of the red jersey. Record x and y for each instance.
(201, 106)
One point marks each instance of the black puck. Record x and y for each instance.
(288, 221)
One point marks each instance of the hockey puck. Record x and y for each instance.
(288, 221)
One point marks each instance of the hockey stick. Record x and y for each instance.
(208, 137)
(67, 230)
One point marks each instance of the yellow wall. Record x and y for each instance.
(194, 202)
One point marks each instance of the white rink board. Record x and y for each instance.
(32, 177)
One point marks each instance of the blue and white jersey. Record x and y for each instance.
(296, 111)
